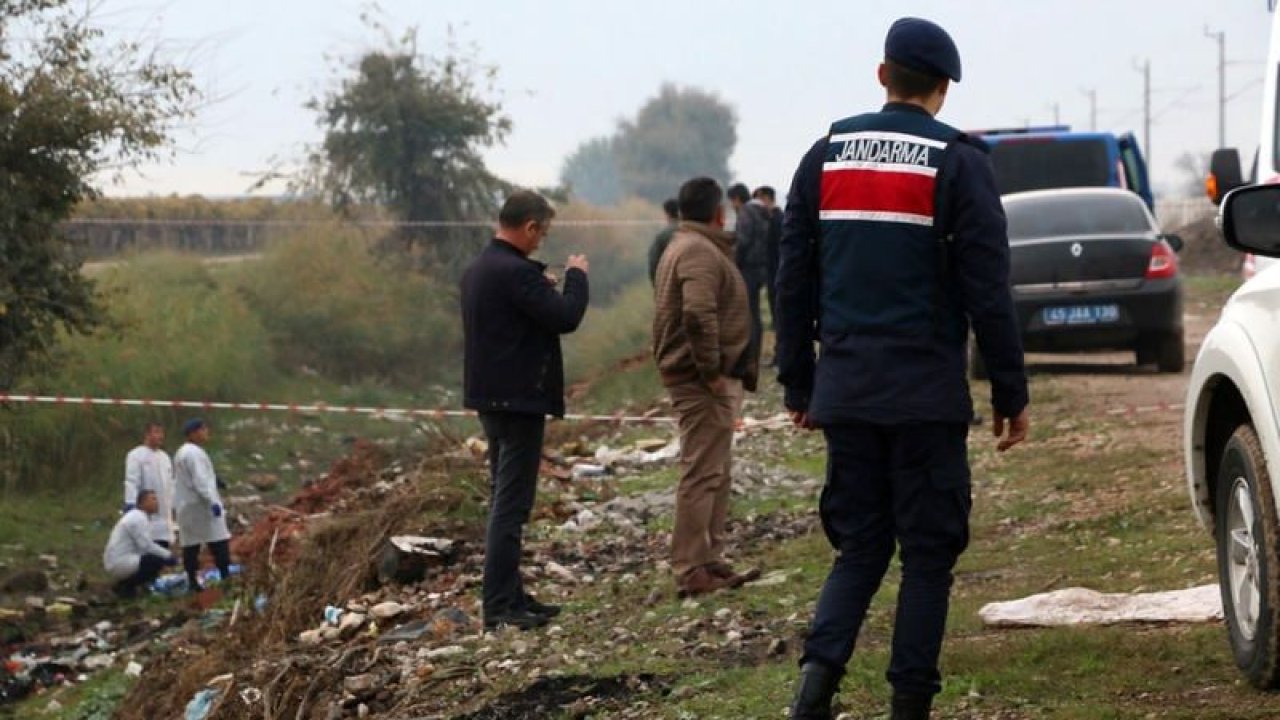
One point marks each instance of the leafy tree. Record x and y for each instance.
(72, 106)
(591, 172)
(681, 133)
(1194, 168)
(406, 131)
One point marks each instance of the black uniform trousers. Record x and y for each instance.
(149, 567)
(221, 550)
(907, 485)
(515, 455)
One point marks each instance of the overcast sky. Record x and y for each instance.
(569, 69)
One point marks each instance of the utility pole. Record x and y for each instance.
(1221, 37)
(1145, 69)
(1057, 117)
(1092, 94)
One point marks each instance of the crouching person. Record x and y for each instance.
(132, 558)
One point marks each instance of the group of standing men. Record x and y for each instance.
(162, 496)
(893, 248)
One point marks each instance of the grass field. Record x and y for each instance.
(1096, 499)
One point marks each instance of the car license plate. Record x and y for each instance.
(1081, 315)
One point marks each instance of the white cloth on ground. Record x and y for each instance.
(1081, 606)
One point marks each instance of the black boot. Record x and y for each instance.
(910, 707)
(813, 696)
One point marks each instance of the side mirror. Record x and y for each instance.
(1225, 174)
(1174, 241)
(1250, 219)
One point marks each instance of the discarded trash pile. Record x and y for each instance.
(56, 644)
(349, 477)
(372, 604)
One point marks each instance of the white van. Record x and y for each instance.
(1231, 432)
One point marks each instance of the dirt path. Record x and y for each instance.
(1111, 383)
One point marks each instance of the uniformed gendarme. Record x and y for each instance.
(893, 248)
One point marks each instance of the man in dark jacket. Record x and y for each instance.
(512, 318)
(663, 238)
(751, 238)
(894, 219)
(768, 198)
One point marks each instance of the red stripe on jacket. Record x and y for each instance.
(878, 191)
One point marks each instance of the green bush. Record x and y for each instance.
(618, 252)
(611, 335)
(174, 331)
(336, 308)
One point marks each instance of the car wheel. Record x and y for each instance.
(1247, 532)
(1171, 354)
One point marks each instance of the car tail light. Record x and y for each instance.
(1163, 263)
(1249, 267)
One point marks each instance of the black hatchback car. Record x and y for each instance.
(1092, 271)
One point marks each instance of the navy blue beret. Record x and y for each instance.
(922, 46)
(192, 425)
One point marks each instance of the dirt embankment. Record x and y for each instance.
(1204, 252)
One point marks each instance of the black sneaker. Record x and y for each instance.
(124, 591)
(532, 605)
(522, 619)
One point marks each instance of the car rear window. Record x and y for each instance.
(1075, 214)
(1043, 164)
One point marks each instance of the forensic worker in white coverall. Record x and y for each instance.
(201, 520)
(148, 467)
(131, 557)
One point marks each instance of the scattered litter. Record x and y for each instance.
(587, 470)
(405, 633)
(201, 704)
(133, 669)
(1081, 606)
(447, 651)
(387, 610)
(406, 558)
(561, 572)
(770, 579)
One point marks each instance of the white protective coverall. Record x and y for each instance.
(130, 540)
(195, 492)
(147, 469)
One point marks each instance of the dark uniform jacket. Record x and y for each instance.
(894, 244)
(512, 319)
(751, 242)
(659, 246)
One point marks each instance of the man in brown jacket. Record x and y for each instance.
(702, 345)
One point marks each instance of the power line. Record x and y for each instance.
(1176, 102)
(1221, 37)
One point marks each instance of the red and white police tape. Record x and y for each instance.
(745, 423)
(315, 407)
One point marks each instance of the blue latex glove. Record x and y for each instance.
(217, 509)
(126, 508)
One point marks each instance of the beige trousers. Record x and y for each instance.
(702, 498)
